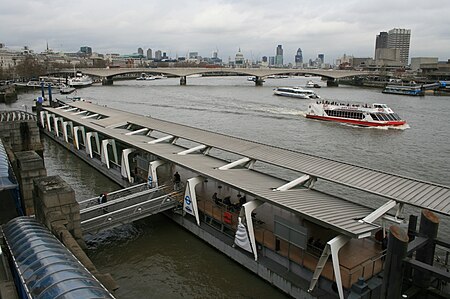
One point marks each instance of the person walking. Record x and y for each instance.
(176, 181)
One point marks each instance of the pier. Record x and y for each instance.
(285, 231)
(166, 143)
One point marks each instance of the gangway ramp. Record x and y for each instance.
(129, 207)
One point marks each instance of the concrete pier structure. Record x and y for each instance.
(29, 166)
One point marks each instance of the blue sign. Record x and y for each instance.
(187, 199)
(150, 181)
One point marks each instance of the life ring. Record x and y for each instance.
(380, 109)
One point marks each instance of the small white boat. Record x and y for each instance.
(66, 90)
(295, 92)
(310, 84)
(366, 115)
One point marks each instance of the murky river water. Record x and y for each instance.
(155, 258)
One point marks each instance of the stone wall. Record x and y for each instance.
(21, 135)
(56, 207)
(28, 166)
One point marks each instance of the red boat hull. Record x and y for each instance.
(358, 122)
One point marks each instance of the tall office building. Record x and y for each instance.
(400, 39)
(149, 54)
(141, 51)
(299, 58)
(158, 55)
(85, 50)
(321, 58)
(279, 56)
(393, 45)
(382, 40)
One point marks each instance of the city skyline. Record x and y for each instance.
(256, 27)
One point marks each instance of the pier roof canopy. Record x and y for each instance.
(46, 268)
(324, 209)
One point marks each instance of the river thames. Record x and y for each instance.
(155, 257)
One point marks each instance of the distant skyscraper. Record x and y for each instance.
(264, 58)
(86, 50)
(141, 51)
(381, 43)
(299, 57)
(400, 39)
(158, 55)
(149, 54)
(382, 40)
(279, 56)
(321, 57)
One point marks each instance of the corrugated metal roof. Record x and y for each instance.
(369, 180)
(46, 268)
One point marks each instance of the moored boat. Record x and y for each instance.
(80, 81)
(295, 92)
(412, 90)
(366, 115)
(66, 90)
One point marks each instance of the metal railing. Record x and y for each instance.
(128, 214)
(16, 115)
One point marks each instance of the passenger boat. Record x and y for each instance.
(80, 81)
(295, 92)
(310, 84)
(413, 90)
(375, 115)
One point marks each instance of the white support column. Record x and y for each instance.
(249, 207)
(234, 164)
(55, 125)
(114, 148)
(104, 152)
(293, 183)
(75, 137)
(152, 179)
(42, 115)
(125, 164)
(89, 149)
(165, 138)
(191, 150)
(65, 132)
(379, 212)
(190, 198)
(70, 109)
(333, 246)
(79, 112)
(49, 127)
(143, 130)
(90, 116)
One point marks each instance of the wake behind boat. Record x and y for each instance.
(375, 115)
(295, 92)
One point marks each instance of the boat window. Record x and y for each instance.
(374, 117)
(395, 115)
(382, 116)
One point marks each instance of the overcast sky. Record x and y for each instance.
(332, 27)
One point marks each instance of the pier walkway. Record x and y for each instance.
(125, 206)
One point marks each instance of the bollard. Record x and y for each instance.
(429, 224)
(393, 266)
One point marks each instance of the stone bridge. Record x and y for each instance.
(107, 74)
